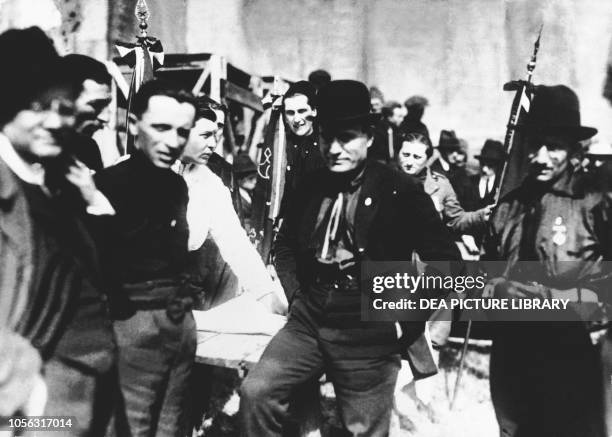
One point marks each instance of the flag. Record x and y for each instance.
(144, 57)
(515, 146)
(269, 189)
(517, 160)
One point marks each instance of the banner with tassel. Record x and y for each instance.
(144, 57)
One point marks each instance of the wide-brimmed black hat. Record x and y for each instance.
(492, 151)
(555, 114)
(448, 140)
(343, 102)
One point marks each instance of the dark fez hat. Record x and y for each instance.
(344, 102)
(555, 115)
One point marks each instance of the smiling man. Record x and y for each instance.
(145, 257)
(347, 212)
(92, 107)
(303, 154)
(51, 290)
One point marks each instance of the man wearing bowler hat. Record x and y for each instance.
(546, 376)
(449, 148)
(352, 210)
(491, 159)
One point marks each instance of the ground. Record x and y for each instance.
(471, 416)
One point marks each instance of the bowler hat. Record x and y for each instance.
(555, 114)
(343, 102)
(492, 151)
(244, 165)
(448, 140)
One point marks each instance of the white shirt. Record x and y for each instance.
(210, 210)
(486, 185)
(35, 174)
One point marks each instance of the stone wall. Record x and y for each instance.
(457, 53)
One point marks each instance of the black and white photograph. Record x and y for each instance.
(306, 218)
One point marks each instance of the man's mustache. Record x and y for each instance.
(538, 167)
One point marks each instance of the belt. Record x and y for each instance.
(168, 294)
(332, 276)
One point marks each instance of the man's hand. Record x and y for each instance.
(275, 302)
(81, 177)
(489, 288)
(487, 211)
(502, 288)
(240, 315)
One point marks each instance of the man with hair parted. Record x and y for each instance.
(350, 211)
(210, 214)
(145, 257)
(299, 108)
(92, 112)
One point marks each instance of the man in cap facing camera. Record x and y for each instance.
(376, 213)
(553, 233)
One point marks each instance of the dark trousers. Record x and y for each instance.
(86, 396)
(363, 384)
(156, 356)
(546, 381)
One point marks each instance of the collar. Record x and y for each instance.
(423, 174)
(569, 184)
(347, 182)
(444, 164)
(30, 173)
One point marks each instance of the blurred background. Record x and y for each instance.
(456, 53)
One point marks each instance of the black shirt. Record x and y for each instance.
(147, 238)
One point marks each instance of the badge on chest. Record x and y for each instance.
(559, 232)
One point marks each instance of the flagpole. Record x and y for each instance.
(144, 56)
(521, 100)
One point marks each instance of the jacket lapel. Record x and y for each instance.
(309, 218)
(15, 221)
(367, 206)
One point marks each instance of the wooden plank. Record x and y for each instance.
(243, 96)
(235, 351)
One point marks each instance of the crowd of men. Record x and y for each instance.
(101, 264)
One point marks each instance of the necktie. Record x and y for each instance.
(332, 226)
